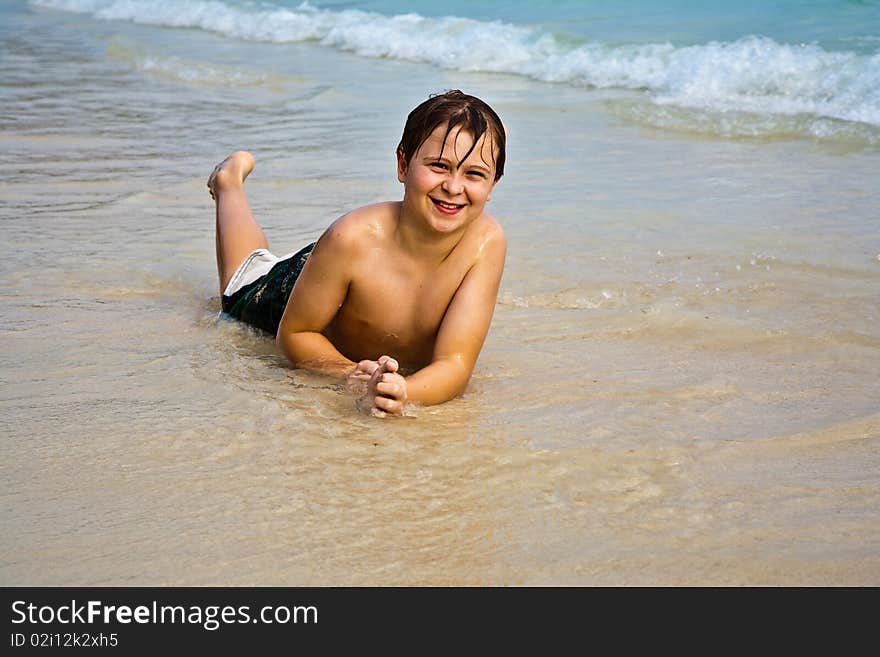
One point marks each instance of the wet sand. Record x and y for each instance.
(680, 385)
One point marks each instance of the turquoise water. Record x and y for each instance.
(752, 69)
(832, 24)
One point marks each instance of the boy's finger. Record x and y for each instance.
(368, 366)
(387, 388)
(389, 363)
(389, 405)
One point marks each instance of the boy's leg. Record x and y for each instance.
(238, 233)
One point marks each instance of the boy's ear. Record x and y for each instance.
(491, 189)
(401, 166)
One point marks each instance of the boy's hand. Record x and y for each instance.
(377, 387)
(387, 388)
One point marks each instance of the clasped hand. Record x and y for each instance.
(377, 387)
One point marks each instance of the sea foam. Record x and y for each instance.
(753, 74)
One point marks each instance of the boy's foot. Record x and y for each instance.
(230, 172)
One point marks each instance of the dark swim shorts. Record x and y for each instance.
(261, 302)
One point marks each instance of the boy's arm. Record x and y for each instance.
(319, 292)
(464, 328)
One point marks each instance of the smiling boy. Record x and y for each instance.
(397, 297)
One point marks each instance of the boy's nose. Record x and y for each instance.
(452, 184)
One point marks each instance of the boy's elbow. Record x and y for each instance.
(459, 376)
(281, 342)
(442, 381)
(285, 340)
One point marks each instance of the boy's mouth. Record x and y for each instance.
(446, 208)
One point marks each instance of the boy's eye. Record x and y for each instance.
(476, 174)
(438, 165)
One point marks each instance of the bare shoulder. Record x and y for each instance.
(489, 237)
(492, 228)
(359, 227)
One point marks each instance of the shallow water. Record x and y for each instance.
(680, 385)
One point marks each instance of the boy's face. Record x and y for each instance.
(448, 195)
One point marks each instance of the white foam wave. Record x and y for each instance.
(753, 74)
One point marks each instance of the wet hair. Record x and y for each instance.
(456, 110)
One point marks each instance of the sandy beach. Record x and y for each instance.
(680, 386)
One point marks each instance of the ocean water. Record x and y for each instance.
(681, 381)
(752, 69)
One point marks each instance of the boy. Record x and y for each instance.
(397, 297)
